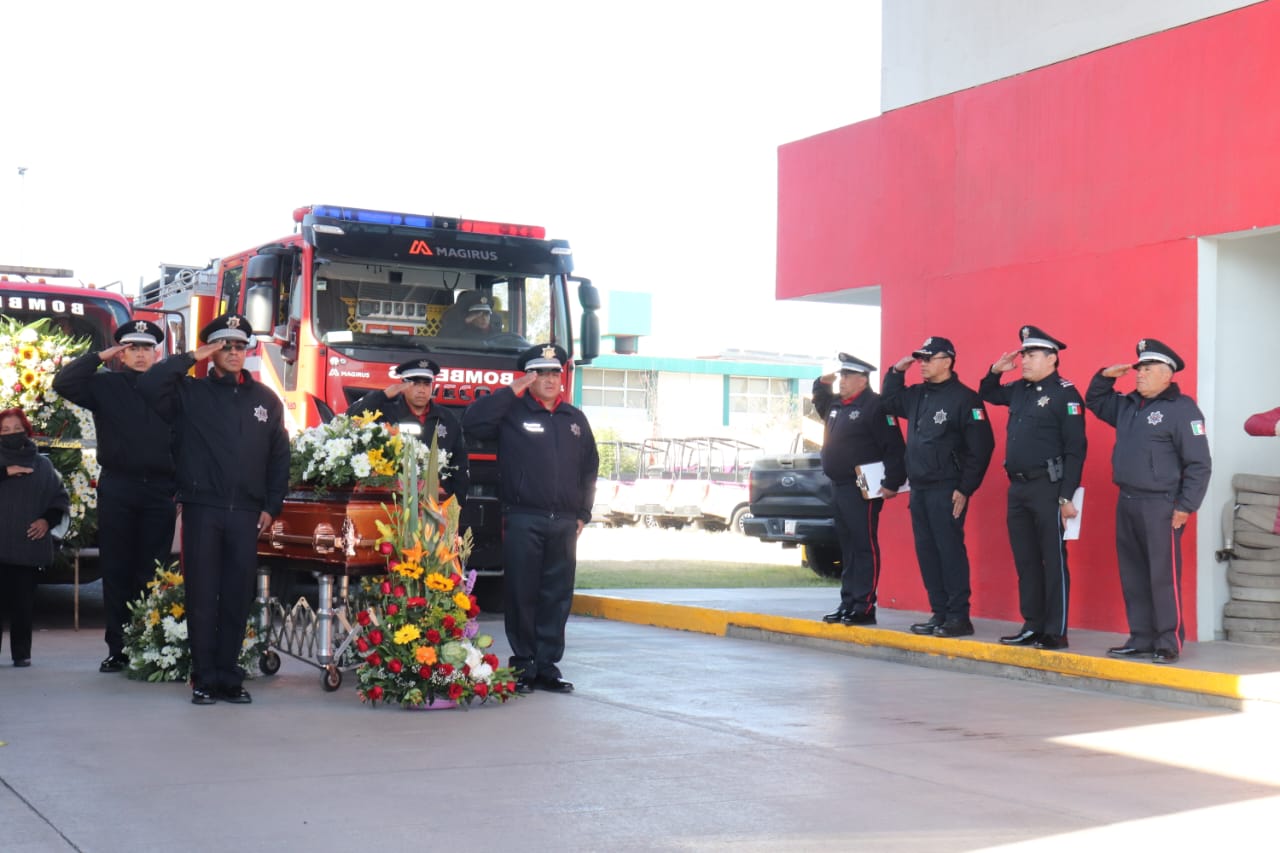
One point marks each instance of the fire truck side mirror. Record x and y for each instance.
(262, 269)
(259, 307)
(589, 336)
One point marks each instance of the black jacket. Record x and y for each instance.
(1046, 422)
(439, 422)
(233, 451)
(1161, 444)
(547, 460)
(950, 442)
(23, 499)
(132, 437)
(858, 431)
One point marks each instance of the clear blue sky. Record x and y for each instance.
(646, 135)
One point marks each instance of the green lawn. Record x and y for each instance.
(683, 574)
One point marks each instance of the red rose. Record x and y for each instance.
(424, 673)
(492, 660)
(393, 609)
(456, 633)
(473, 600)
(416, 601)
(466, 669)
(385, 586)
(445, 668)
(399, 591)
(455, 691)
(375, 636)
(393, 564)
(456, 578)
(386, 549)
(375, 693)
(374, 659)
(433, 636)
(511, 687)
(447, 623)
(363, 617)
(473, 612)
(362, 644)
(482, 690)
(395, 665)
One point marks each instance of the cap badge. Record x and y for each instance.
(1025, 331)
(424, 364)
(1142, 345)
(484, 300)
(548, 352)
(140, 326)
(927, 342)
(233, 322)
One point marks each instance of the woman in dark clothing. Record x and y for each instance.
(32, 501)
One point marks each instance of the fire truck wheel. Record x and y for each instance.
(269, 663)
(331, 680)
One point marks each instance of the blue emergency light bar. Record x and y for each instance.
(385, 217)
(376, 217)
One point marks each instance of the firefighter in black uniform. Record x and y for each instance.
(1161, 464)
(233, 472)
(949, 447)
(136, 511)
(547, 463)
(1044, 458)
(407, 404)
(858, 432)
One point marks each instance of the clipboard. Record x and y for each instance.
(870, 478)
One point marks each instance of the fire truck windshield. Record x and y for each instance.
(398, 306)
(79, 315)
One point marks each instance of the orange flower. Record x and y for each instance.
(425, 654)
(413, 555)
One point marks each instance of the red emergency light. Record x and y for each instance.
(502, 229)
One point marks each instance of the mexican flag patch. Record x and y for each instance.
(891, 420)
(1197, 427)
(1073, 408)
(979, 415)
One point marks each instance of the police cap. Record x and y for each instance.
(1151, 350)
(542, 357)
(853, 364)
(139, 332)
(418, 368)
(1033, 337)
(935, 346)
(228, 327)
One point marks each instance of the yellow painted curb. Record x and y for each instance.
(710, 621)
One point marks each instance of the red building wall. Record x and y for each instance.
(1069, 197)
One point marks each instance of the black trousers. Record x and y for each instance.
(540, 557)
(1040, 555)
(858, 529)
(17, 603)
(944, 561)
(219, 564)
(1149, 552)
(135, 530)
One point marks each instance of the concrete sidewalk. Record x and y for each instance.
(1216, 674)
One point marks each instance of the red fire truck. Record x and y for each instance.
(354, 292)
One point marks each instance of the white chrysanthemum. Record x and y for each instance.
(360, 465)
(28, 335)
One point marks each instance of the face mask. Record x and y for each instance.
(13, 441)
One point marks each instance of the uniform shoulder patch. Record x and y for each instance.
(1197, 427)
(891, 420)
(979, 415)
(1065, 383)
(1073, 408)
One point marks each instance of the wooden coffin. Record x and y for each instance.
(334, 532)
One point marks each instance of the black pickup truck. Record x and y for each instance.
(792, 503)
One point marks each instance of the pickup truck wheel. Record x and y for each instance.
(824, 560)
(735, 521)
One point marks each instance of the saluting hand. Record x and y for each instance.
(904, 363)
(1115, 371)
(828, 378)
(205, 350)
(1004, 363)
(111, 352)
(17, 470)
(396, 390)
(523, 382)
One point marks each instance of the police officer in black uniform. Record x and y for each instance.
(949, 447)
(547, 462)
(1161, 464)
(1044, 458)
(233, 472)
(858, 432)
(407, 404)
(136, 511)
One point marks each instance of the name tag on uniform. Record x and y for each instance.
(411, 428)
(532, 426)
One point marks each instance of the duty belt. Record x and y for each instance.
(1027, 477)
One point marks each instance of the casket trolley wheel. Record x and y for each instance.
(331, 680)
(269, 662)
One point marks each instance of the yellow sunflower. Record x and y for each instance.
(462, 601)
(407, 635)
(413, 571)
(437, 581)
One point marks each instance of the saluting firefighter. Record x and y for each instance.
(407, 403)
(858, 432)
(1161, 464)
(949, 447)
(136, 511)
(233, 472)
(1044, 457)
(547, 464)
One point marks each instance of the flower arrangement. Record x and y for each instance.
(155, 640)
(419, 636)
(351, 450)
(30, 356)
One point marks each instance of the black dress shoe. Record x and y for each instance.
(1025, 637)
(113, 663)
(954, 628)
(554, 684)
(1164, 656)
(927, 627)
(524, 686)
(201, 696)
(1128, 652)
(864, 617)
(235, 695)
(836, 615)
(23, 662)
(1051, 642)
